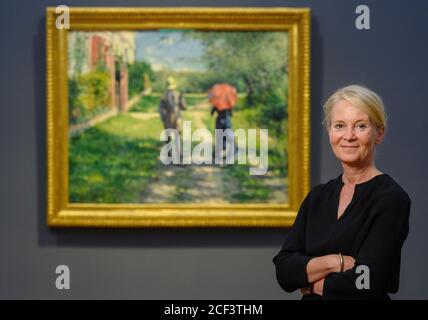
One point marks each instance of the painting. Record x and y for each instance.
(177, 117)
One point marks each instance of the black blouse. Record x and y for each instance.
(372, 229)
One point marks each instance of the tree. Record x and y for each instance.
(140, 75)
(259, 59)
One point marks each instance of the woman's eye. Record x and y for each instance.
(338, 126)
(362, 126)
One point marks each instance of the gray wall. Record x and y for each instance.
(199, 263)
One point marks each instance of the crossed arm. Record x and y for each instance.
(320, 267)
(379, 250)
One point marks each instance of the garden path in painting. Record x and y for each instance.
(196, 183)
(153, 182)
(115, 84)
(207, 183)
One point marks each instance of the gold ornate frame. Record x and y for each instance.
(62, 213)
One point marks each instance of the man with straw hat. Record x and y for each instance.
(171, 105)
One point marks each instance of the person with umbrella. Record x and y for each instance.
(222, 97)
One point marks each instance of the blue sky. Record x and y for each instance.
(168, 50)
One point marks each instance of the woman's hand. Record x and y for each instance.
(319, 287)
(305, 291)
(320, 267)
(348, 263)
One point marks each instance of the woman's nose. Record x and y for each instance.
(349, 134)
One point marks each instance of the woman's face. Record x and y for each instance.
(352, 135)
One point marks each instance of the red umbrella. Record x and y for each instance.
(222, 96)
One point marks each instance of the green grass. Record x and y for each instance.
(192, 101)
(147, 104)
(277, 145)
(151, 102)
(182, 184)
(249, 188)
(114, 161)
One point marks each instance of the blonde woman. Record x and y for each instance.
(347, 238)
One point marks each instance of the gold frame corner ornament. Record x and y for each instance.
(61, 213)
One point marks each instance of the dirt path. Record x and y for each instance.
(187, 183)
(190, 183)
(197, 183)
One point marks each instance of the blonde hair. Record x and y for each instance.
(361, 97)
